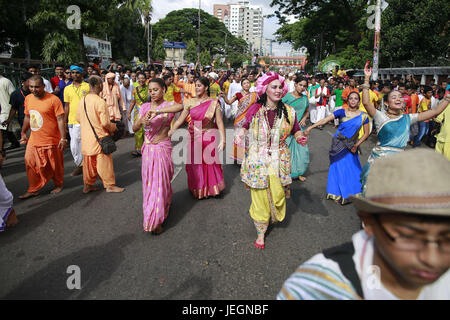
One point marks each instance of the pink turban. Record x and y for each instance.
(263, 82)
(110, 75)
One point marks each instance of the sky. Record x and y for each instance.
(162, 7)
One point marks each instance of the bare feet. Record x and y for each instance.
(115, 189)
(88, 188)
(259, 243)
(77, 172)
(158, 230)
(302, 178)
(56, 190)
(12, 220)
(28, 195)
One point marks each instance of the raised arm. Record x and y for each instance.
(179, 122)
(226, 99)
(434, 112)
(319, 123)
(371, 110)
(173, 108)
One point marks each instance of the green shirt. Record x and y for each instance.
(339, 101)
(312, 90)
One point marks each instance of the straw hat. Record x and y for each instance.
(409, 182)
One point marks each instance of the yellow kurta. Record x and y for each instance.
(443, 138)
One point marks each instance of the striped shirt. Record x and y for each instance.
(322, 279)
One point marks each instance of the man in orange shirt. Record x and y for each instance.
(189, 88)
(347, 91)
(44, 114)
(411, 91)
(96, 163)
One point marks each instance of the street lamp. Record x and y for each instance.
(226, 34)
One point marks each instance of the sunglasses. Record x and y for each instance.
(76, 72)
(67, 72)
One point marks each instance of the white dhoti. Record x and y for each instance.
(75, 143)
(6, 204)
(317, 113)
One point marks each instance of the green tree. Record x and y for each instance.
(145, 9)
(158, 51)
(191, 51)
(411, 30)
(182, 25)
(205, 58)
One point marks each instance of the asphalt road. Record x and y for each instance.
(205, 252)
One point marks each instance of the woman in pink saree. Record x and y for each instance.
(203, 167)
(157, 165)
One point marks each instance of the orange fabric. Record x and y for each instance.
(43, 164)
(43, 122)
(99, 116)
(345, 94)
(189, 90)
(113, 98)
(414, 103)
(99, 165)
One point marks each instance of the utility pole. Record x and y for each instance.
(151, 44)
(376, 45)
(198, 44)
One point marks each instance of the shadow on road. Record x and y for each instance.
(201, 289)
(96, 263)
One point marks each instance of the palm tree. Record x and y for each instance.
(145, 10)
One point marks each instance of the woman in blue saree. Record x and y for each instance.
(299, 153)
(345, 168)
(392, 125)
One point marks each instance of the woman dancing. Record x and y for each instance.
(299, 153)
(392, 125)
(246, 99)
(345, 168)
(139, 97)
(266, 169)
(204, 171)
(157, 166)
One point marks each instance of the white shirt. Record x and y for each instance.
(48, 86)
(291, 86)
(126, 94)
(6, 88)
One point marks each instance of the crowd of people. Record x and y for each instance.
(270, 114)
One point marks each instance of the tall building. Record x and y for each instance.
(243, 20)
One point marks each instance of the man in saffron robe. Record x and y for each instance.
(96, 163)
(44, 115)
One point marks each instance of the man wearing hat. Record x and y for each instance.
(72, 96)
(403, 251)
(214, 87)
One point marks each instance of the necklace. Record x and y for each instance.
(392, 114)
(270, 107)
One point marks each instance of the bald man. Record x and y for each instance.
(93, 114)
(44, 115)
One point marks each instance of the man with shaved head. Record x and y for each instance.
(44, 115)
(93, 116)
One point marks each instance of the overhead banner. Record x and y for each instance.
(97, 48)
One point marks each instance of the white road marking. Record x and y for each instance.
(331, 134)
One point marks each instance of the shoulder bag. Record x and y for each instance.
(107, 143)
